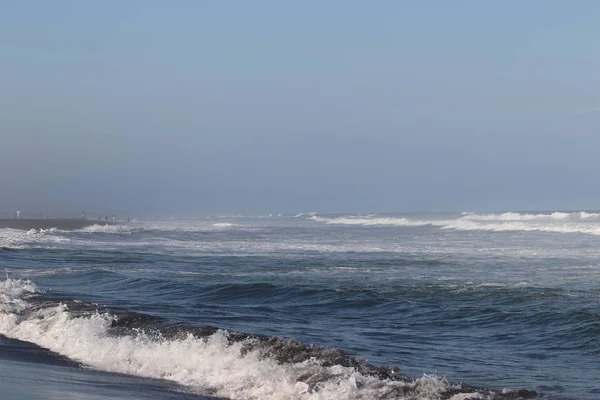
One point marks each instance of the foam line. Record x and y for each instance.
(212, 364)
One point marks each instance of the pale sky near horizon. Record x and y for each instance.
(269, 106)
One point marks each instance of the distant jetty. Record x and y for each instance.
(62, 224)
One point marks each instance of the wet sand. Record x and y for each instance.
(30, 380)
(62, 224)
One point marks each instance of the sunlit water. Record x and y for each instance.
(420, 306)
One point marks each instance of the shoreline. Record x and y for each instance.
(64, 224)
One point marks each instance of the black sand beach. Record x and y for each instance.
(62, 224)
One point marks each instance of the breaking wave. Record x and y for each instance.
(207, 360)
(466, 225)
(556, 222)
(163, 226)
(117, 229)
(226, 225)
(372, 221)
(20, 239)
(513, 216)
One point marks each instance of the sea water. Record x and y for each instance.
(306, 306)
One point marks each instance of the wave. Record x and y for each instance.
(208, 360)
(19, 239)
(465, 225)
(116, 229)
(370, 221)
(514, 216)
(556, 222)
(226, 225)
(189, 226)
(161, 227)
(310, 214)
(13, 294)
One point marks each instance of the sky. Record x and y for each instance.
(159, 107)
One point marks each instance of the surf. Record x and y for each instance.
(208, 360)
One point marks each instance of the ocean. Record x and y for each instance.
(308, 306)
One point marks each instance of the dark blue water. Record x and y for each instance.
(307, 307)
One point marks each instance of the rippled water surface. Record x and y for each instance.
(312, 306)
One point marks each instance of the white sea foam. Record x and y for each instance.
(557, 222)
(226, 225)
(117, 229)
(466, 396)
(165, 226)
(211, 365)
(370, 221)
(19, 239)
(13, 294)
(513, 216)
(191, 226)
(10, 238)
(465, 225)
(248, 247)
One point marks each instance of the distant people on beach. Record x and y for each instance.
(83, 215)
(18, 214)
(114, 217)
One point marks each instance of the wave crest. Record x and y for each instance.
(208, 360)
(514, 216)
(556, 222)
(370, 221)
(226, 225)
(116, 229)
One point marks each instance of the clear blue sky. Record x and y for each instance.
(271, 106)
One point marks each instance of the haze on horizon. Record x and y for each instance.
(266, 106)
